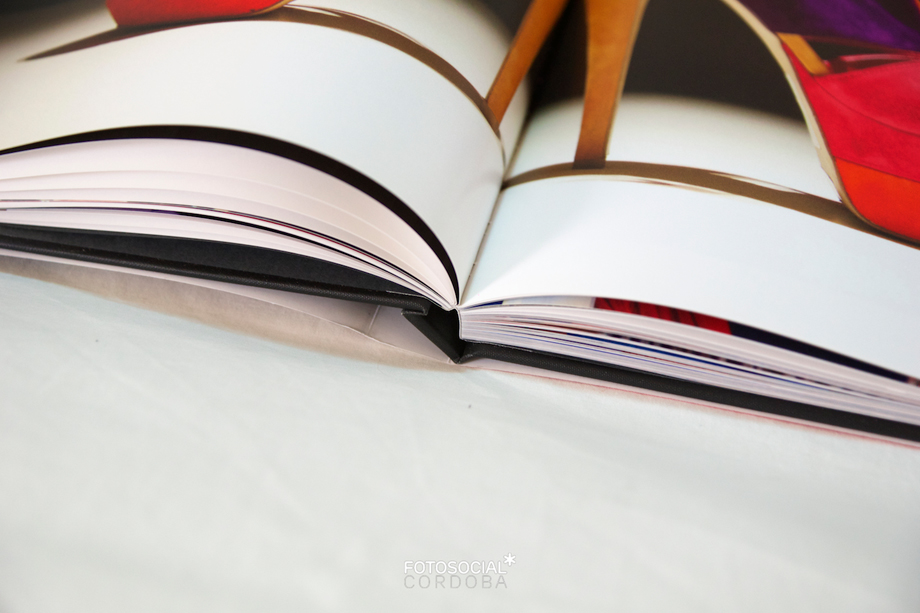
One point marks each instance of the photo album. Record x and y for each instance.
(521, 180)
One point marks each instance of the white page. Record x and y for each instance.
(463, 32)
(657, 129)
(215, 179)
(351, 98)
(726, 256)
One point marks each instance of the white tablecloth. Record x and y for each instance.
(153, 463)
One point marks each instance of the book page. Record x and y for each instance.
(726, 255)
(357, 100)
(721, 255)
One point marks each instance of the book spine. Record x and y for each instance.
(440, 327)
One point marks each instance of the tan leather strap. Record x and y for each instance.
(538, 22)
(804, 53)
(612, 29)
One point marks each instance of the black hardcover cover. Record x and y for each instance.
(213, 260)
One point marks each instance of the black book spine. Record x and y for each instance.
(440, 327)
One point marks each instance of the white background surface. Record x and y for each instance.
(152, 463)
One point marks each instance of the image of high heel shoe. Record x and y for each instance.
(854, 66)
(612, 26)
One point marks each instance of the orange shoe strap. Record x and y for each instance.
(612, 29)
(538, 22)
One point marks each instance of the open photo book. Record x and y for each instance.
(354, 149)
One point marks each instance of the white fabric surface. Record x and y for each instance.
(152, 463)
